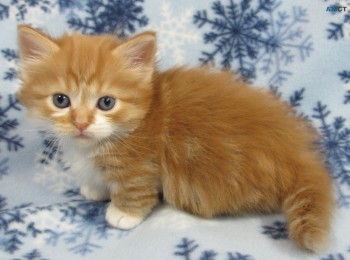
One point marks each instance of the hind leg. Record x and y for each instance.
(308, 207)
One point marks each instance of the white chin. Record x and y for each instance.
(83, 141)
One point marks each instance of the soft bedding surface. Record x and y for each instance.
(299, 49)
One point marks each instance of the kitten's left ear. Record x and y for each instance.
(138, 53)
(34, 45)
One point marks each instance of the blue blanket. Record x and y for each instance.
(298, 49)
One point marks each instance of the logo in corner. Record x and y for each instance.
(336, 8)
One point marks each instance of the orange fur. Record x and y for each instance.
(211, 144)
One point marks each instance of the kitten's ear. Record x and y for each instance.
(34, 45)
(138, 52)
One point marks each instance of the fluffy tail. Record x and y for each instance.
(308, 207)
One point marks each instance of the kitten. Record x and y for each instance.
(212, 145)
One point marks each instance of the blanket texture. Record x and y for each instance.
(299, 49)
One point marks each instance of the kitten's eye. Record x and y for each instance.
(106, 103)
(61, 100)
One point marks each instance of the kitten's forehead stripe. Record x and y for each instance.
(86, 62)
(72, 81)
(94, 66)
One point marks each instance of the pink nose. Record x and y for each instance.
(81, 126)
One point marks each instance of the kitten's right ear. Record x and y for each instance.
(34, 45)
(138, 53)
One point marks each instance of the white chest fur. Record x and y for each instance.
(87, 175)
(92, 187)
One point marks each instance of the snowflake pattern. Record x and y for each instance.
(10, 240)
(79, 225)
(8, 141)
(345, 77)
(12, 58)
(52, 171)
(4, 167)
(13, 142)
(278, 230)
(249, 37)
(294, 100)
(3, 203)
(187, 248)
(334, 257)
(69, 5)
(336, 143)
(287, 42)
(33, 255)
(236, 33)
(347, 97)
(174, 33)
(340, 28)
(121, 17)
(23, 10)
(4, 11)
(24, 6)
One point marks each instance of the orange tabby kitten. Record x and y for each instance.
(213, 146)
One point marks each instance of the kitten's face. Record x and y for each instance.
(86, 88)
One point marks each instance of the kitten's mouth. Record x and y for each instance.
(83, 137)
(83, 140)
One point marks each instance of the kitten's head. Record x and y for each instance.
(86, 88)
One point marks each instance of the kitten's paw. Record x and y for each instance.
(94, 193)
(119, 219)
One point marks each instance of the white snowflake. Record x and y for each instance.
(48, 219)
(174, 33)
(53, 177)
(39, 18)
(33, 14)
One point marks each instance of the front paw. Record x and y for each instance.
(119, 219)
(94, 193)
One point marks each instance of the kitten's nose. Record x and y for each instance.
(81, 126)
